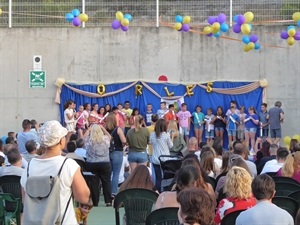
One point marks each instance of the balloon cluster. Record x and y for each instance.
(182, 23)
(251, 42)
(287, 140)
(121, 21)
(290, 35)
(75, 17)
(217, 25)
(296, 18)
(243, 23)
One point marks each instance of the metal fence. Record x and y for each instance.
(51, 13)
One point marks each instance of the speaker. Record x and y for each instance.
(37, 62)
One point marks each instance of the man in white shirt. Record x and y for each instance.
(274, 165)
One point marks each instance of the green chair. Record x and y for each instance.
(6, 217)
(230, 218)
(163, 216)
(284, 189)
(286, 203)
(138, 204)
(296, 196)
(285, 180)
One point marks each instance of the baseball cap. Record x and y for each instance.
(51, 133)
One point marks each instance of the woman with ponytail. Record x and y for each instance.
(291, 167)
(137, 139)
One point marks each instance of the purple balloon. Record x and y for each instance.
(221, 18)
(211, 20)
(254, 38)
(124, 28)
(76, 22)
(284, 35)
(185, 27)
(241, 19)
(209, 35)
(116, 24)
(237, 28)
(297, 36)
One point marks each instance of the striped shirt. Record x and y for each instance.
(160, 145)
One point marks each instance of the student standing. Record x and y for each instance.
(184, 117)
(264, 123)
(198, 123)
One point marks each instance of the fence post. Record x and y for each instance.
(157, 13)
(9, 13)
(230, 19)
(83, 11)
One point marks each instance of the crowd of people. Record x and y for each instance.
(123, 148)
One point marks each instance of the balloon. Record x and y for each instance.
(119, 15)
(83, 17)
(237, 29)
(76, 22)
(257, 46)
(284, 35)
(235, 18)
(124, 28)
(217, 34)
(297, 37)
(298, 23)
(214, 30)
(241, 19)
(178, 19)
(128, 16)
(207, 30)
(245, 29)
(245, 39)
(69, 17)
(246, 49)
(296, 16)
(296, 136)
(291, 32)
(125, 22)
(216, 26)
(224, 27)
(251, 46)
(75, 12)
(186, 19)
(287, 140)
(185, 27)
(254, 38)
(116, 24)
(209, 35)
(249, 16)
(221, 18)
(211, 20)
(0, 11)
(178, 26)
(291, 41)
(291, 27)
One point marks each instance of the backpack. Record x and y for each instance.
(112, 142)
(42, 200)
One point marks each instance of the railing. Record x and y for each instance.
(147, 13)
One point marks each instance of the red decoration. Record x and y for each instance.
(163, 78)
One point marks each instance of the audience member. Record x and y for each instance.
(274, 165)
(10, 140)
(297, 147)
(293, 143)
(291, 167)
(25, 136)
(6, 150)
(80, 151)
(208, 165)
(272, 155)
(1, 148)
(71, 147)
(15, 164)
(192, 148)
(179, 145)
(264, 212)
(31, 150)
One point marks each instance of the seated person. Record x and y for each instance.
(291, 167)
(274, 165)
(80, 151)
(15, 162)
(31, 149)
(71, 147)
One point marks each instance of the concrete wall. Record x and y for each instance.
(103, 55)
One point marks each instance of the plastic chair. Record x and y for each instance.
(5, 216)
(11, 184)
(138, 204)
(230, 218)
(288, 204)
(163, 216)
(285, 180)
(284, 189)
(296, 196)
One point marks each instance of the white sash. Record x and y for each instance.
(197, 117)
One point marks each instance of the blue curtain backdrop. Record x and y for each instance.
(200, 97)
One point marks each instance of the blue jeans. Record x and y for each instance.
(116, 160)
(158, 176)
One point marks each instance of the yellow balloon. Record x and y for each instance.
(125, 22)
(177, 26)
(251, 46)
(291, 40)
(292, 32)
(83, 17)
(287, 140)
(249, 16)
(216, 26)
(119, 15)
(246, 48)
(207, 30)
(245, 28)
(186, 19)
(296, 16)
(0, 11)
(296, 136)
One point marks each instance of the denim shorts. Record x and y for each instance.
(219, 129)
(275, 133)
(137, 157)
(183, 131)
(198, 127)
(251, 130)
(232, 133)
(209, 134)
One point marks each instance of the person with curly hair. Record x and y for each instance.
(239, 193)
(196, 207)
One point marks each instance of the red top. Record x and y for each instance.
(229, 205)
(170, 116)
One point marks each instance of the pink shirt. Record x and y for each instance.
(184, 118)
(296, 175)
